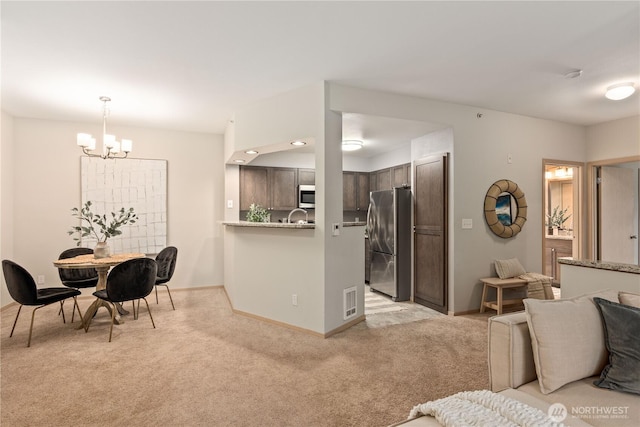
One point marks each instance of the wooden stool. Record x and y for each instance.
(499, 285)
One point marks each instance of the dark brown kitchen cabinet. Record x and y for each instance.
(402, 175)
(306, 177)
(271, 188)
(254, 187)
(355, 191)
(383, 178)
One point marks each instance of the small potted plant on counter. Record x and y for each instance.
(99, 228)
(557, 219)
(257, 213)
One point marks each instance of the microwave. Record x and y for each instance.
(306, 196)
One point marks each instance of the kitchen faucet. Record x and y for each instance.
(306, 219)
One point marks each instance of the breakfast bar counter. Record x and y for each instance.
(580, 276)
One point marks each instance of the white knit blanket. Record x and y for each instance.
(482, 408)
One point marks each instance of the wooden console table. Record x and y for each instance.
(500, 285)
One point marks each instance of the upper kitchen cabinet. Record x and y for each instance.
(402, 175)
(271, 188)
(254, 185)
(383, 178)
(355, 190)
(306, 177)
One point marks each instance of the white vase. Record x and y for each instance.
(101, 250)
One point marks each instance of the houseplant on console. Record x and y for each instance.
(97, 226)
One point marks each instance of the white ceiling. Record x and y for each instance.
(189, 65)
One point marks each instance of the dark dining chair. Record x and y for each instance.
(24, 291)
(77, 278)
(128, 281)
(166, 260)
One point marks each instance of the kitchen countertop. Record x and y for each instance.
(285, 225)
(268, 225)
(601, 265)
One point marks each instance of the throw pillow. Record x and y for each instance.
(622, 338)
(627, 298)
(508, 268)
(567, 338)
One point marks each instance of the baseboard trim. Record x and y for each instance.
(277, 323)
(462, 313)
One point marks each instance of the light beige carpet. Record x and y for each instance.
(205, 366)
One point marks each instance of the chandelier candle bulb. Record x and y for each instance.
(126, 145)
(84, 139)
(109, 141)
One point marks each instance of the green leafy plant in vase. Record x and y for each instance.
(98, 227)
(557, 218)
(257, 213)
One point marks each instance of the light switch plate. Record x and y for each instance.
(335, 229)
(230, 204)
(467, 223)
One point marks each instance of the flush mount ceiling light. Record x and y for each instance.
(298, 143)
(110, 147)
(351, 145)
(620, 91)
(251, 152)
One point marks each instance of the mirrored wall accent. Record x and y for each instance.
(140, 184)
(505, 208)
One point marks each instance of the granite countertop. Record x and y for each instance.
(269, 225)
(602, 265)
(294, 225)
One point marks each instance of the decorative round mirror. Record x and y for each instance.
(505, 208)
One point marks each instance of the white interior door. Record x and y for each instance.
(618, 215)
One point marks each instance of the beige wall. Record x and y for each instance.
(614, 140)
(6, 201)
(481, 146)
(46, 185)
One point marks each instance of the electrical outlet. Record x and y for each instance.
(40, 279)
(294, 299)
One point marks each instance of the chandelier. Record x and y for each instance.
(111, 149)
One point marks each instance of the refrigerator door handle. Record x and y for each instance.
(368, 219)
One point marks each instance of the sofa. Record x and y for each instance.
(550, 355)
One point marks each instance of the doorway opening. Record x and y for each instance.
(613, 220)
(562, 225)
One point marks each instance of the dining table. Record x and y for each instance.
(102, 266)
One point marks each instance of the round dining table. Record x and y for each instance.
(102, 266)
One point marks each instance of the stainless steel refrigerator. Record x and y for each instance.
(389, 229)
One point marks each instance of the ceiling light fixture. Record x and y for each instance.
(251, 152)
(620, 91)
(298, 143)
(351, 144)
(110, 147)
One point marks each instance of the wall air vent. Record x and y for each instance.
(349, 302)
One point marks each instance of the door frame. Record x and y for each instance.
(592, 200)
(578, 181)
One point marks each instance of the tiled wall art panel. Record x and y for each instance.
(128, 183)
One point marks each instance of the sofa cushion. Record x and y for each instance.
(628, 298)
(567, 338)
(621, 326)
(508, 268)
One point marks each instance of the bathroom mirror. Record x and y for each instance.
(505, 208)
